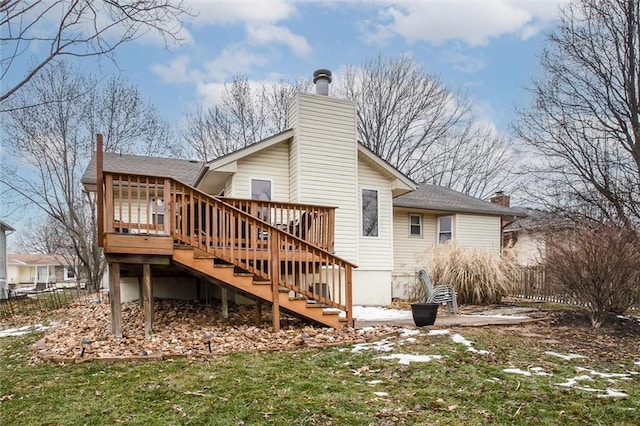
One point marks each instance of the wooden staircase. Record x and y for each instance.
(257, 287)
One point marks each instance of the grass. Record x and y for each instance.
(316, 387)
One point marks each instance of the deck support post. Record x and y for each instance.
(258, 312)
(274, 269)
(114, 298)
(148, 299)
(224, 297)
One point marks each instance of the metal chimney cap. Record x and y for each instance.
(322, 74)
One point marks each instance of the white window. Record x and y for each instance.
(445, 229)
(261, 189)
(415, 225)
(157, 211)
(369, 213)
(69, 274)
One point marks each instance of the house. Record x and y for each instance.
(5, 229)
(38, 271)
(306, 215)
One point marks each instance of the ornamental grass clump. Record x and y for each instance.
(479, 277)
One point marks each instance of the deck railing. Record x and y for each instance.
(264, 238)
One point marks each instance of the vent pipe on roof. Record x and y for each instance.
(322, 78)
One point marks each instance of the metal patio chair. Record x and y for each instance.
(442, 293)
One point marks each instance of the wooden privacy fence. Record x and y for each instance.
(532, 283)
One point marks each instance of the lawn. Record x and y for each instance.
(457, 377)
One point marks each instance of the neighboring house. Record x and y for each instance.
(527, 235)
(38, 271)
(4, 285)
(314, 184)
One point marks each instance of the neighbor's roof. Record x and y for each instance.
(537, 219)
(439, 198)
(186, 171)
(34, 259)
(4, 225)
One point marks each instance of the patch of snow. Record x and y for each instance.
(407, 359)
(406, 332)
(603, 375)
(574, 381)
(437, 332)
(612, 393)
(407, 340)
(567, 357)
(20, 331)
(381, 394)
(374, 382)
(457, 338)
(537, 371)
(493, 380)
(385, 345)
(374, 313)
(637, 363)
(513, 317)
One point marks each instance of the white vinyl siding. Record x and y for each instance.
(271, 164)
(324, 163)
(376, 253)
(408, 251)
(477, 231)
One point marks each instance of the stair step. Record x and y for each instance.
(298, 298)
(331, 312)
(261, 282)
(222, 265)
(315, 305)
(242, 274)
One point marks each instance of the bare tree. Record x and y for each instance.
(51, 143)
(246, 114)
(583, 127)
(33, 33)
(419, 125)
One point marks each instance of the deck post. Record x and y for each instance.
(224, 293)
(349, 293)
(148, 299)
(114, 298)
(274, 270)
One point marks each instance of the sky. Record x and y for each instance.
(488, 49)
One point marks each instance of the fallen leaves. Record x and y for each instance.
(184, 328)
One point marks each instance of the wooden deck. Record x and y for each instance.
(288, 246)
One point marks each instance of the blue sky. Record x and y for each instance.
(488, 48)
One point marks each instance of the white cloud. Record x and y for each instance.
(472, 22)
(177, 71)
(233, 11)
(266, 34)
(232, 60)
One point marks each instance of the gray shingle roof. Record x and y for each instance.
(186, 171)
(439, 198)
(538, 219)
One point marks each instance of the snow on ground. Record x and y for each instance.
(572, 381)
(622, 376)
(534, 371)
(19, 331)
(437, 332)
(384, 345)
(457, 338)
(406, 359)
(406, 332)
(381, 394)
(637, 363)
(566, 357)
(374, 313)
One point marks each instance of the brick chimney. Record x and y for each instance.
(501, 199)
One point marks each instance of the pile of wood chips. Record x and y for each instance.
(185, 328)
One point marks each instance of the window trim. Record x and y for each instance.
(439, 232)
(420, 234)
(377, 229)
(66, 274)
(251, 179)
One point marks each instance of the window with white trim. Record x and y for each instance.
(445, 229)
(157, 211)
(415, 225)
(369, 213)
(69, 274)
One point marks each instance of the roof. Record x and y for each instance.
(439, 198)
(5, 226)
(185, 171)
(34, 259)
(537, 219)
